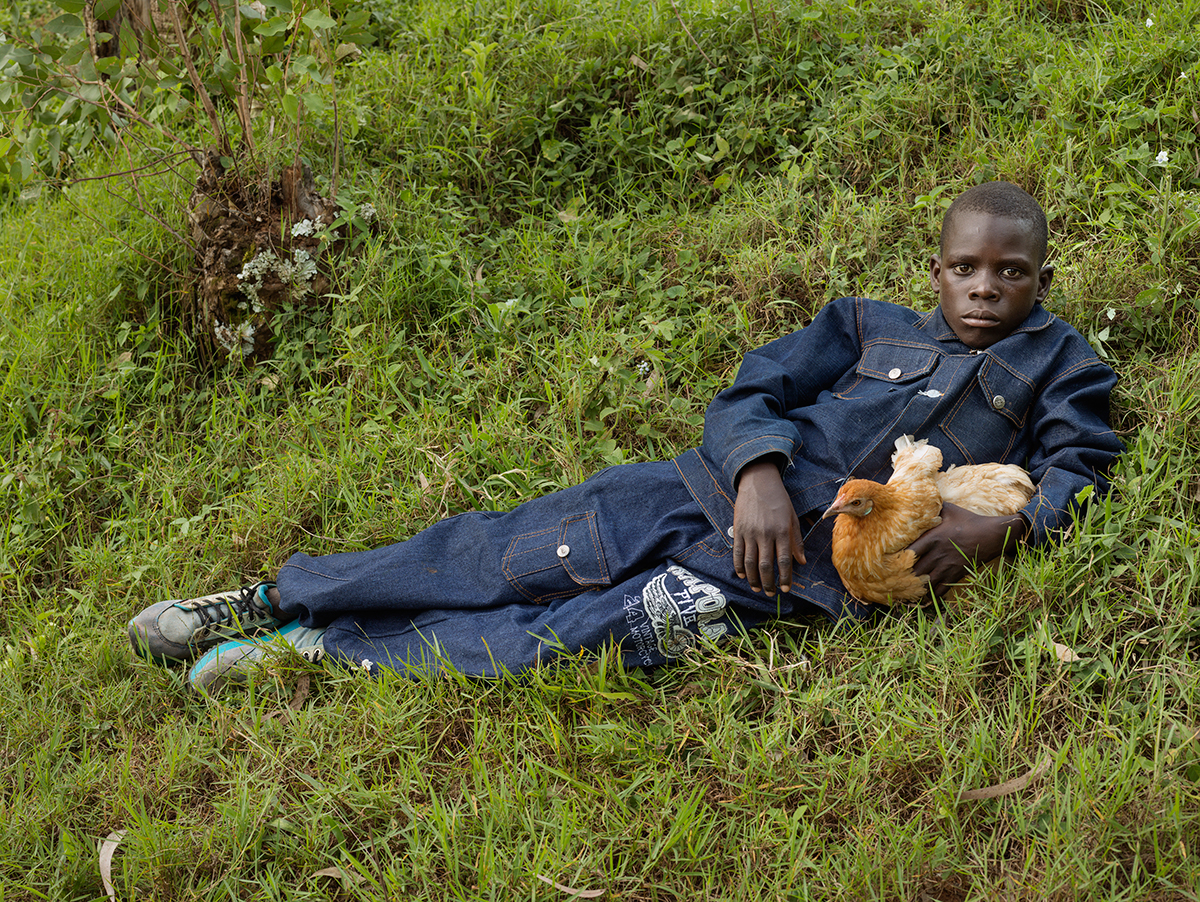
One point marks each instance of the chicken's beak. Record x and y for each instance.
(834, 509)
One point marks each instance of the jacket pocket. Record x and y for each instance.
(559, 561)
(884, 364)
(991, 419)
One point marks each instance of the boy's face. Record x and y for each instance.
(988, 277)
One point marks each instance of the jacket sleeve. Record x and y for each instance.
(1075, 446)
(750, 419)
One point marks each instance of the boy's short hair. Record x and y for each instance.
(1000, 199)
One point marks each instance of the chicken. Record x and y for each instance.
(876, 523)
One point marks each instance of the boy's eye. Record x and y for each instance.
(1011, 272)
(962, 269)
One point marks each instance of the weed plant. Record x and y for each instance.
(593, 210)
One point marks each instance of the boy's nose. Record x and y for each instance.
(984, 286)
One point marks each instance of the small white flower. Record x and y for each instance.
(367, 212)
(367, 664)
(1163, 158)
(643, 368)
(1149, 22)
(1183, 76)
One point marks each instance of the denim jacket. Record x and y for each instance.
(830, 400)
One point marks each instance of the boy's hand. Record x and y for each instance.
(766, 531)
(947, 551)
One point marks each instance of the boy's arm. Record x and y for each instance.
(766, 531)
(1075, 448)
(749, 435)
(750, 419)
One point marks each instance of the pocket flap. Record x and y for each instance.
(583, 557)
(895, 362)
(558, 561)
(1007, 393)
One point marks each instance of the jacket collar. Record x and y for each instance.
(935, 326)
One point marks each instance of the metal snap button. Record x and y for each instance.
(894, 373)
(564, 550)
(729, 532)
(998, 402)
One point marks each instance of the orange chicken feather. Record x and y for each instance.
(877, 522)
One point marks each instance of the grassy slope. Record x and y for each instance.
(670, 213)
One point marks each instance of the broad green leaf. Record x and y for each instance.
(274, 74)
(315, 103)
(66, 25)
(277, 25)
(71, 6)
(87, 70)
(315, 19)
(249, 13)
(22, 57)
(291, 106)
(73, 54)
(54, 146)
(106, 9)
(109, 65)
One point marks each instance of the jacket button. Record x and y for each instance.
(894, 373)
(729, 532)
(998, 402)
(563, 550)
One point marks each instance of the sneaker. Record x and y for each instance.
(176, 631)
(232, 661)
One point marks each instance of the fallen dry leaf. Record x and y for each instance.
(1007, 788)
(346, 878)
(299, 696)
(301, 693)
(1065, 654)
(577, 893)
(108, 848)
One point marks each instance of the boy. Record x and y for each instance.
(656, 556)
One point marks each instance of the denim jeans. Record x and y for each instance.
(627, 557)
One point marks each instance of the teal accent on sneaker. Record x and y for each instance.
(233, 661)
(176, 631)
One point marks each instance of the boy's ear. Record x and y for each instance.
(935, 273)
(1045, 277)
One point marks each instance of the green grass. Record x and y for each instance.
(558, 217)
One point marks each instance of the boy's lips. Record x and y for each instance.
(979, 319)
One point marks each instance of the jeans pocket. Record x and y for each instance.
(559, 561)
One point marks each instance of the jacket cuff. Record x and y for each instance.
(1052, 507)
(778, 446)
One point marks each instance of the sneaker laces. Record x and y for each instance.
(231, 609)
